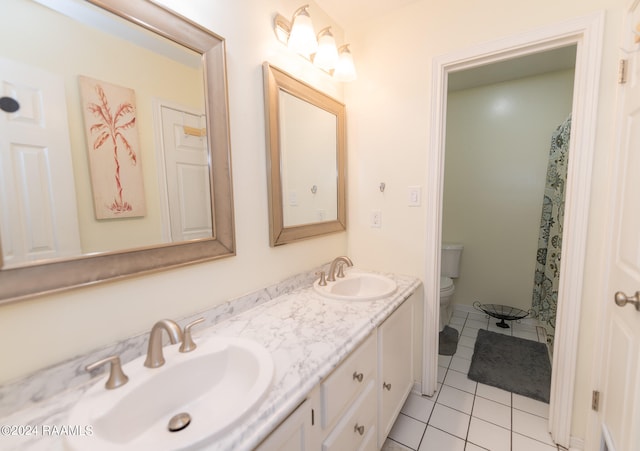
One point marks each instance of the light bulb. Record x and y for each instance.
(326, 57)
(302, 39)
(345, 69)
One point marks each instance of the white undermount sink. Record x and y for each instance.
(357, 286)
(217, 384)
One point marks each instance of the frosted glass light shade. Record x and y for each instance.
(345, 69)
(302, 39)
(326, 57)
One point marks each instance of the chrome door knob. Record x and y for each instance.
(622, 299)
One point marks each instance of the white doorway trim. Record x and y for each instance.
(586, 33)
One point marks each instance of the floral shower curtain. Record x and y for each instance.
(547, 273)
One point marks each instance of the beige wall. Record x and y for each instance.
(497, 149)
(389, 118)
(53, 328)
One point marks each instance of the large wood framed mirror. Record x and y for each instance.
(306, 159)
(52, 237)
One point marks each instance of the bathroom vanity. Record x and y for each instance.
(356, 405)
(342, 370)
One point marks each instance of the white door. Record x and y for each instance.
(620, 373)
(38, 212)
(186, 165)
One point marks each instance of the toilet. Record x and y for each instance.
(449, 269)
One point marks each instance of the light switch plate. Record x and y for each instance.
(414, 196)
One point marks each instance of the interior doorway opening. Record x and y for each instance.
(504, 180)
(586, 33)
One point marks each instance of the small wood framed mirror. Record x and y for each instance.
(306, 159)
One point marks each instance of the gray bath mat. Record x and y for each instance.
(513, 364)
(448, 341)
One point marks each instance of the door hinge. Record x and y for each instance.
(622, 71)
(595, 400)
(313, 417)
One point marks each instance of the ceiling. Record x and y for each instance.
(514, 68)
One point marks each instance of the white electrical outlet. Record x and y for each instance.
(376, 219)
(415, 196)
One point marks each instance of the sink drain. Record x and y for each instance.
(179, 422)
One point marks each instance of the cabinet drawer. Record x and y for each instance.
(356, 431)
(344, 385)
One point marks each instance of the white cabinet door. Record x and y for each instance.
(619, 415)
(395, 366)
(299, 432)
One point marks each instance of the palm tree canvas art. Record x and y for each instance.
(113, 148)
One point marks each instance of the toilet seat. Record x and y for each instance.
(446, 292)
(446, 286)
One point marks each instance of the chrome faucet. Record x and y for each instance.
(154, 352)
(344, 260)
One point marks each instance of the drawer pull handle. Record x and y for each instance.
(386, 386)
(358, 376)
(358, 429)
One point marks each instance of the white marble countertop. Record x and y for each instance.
(307, 335)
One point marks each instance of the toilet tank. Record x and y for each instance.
(450, 259)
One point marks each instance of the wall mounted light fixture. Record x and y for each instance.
(302, 37)
(327, 55)
(345, 69)
(298, 34)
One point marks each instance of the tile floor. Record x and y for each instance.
(467, 416)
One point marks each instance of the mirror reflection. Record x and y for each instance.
(308, 138)
(111, 164)
(306, 150)
(107, 149)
